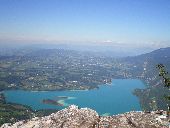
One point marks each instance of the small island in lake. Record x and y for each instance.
(53, 102)
(59, 101)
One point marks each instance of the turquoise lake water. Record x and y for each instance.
(111, 99)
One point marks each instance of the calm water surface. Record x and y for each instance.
(111, 99)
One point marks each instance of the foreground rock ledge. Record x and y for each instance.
(73, 117)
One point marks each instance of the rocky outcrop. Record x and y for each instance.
(73, 117)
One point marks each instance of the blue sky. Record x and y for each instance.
(139, 22)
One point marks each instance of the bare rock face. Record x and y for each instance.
(73, 117)
(135, 120)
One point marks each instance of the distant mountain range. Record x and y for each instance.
(105, 49)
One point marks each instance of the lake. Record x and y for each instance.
(108, 99)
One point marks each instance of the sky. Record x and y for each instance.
(114, 22)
